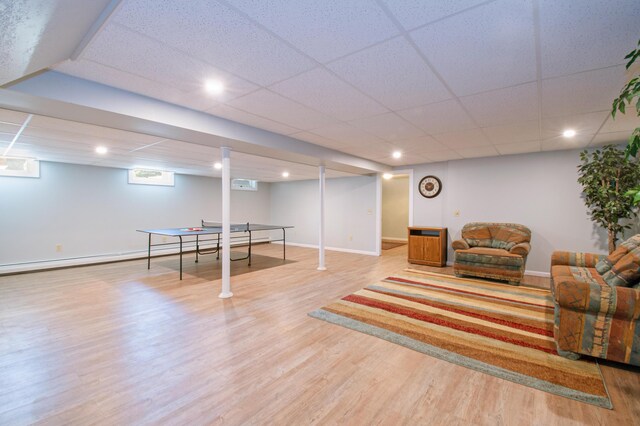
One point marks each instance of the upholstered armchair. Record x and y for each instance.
(597, 303)
(492, 250)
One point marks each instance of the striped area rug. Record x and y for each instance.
(494, 328)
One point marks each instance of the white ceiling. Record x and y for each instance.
(439, 80)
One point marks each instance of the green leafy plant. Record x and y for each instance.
(606, 180)
(629, 96)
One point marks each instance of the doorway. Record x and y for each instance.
(395, 212)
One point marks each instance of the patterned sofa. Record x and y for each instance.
(597, 303)
(492, 250)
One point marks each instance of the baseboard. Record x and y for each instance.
(344, 250)
(395, 240)
(46, 265)
(527, 272)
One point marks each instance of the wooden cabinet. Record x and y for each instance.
(428, 246)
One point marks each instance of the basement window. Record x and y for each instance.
(151, 177)
(19, 167)
(244, 185)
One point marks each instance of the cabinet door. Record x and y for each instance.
(431, 249)
(416, 248)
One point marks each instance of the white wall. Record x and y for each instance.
(395, 207)
(93, 211)
(350, 212)
(539, 190)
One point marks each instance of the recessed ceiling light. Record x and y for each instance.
(396, 154)
(101, 149)
(285, 174)
(217, 166)
(214, 87)
(569, 133)
(387, 176)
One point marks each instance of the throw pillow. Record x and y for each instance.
(626, 271)
(607, 263)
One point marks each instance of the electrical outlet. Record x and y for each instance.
(456, 213)
(369, 211)
(350, 237)
(58, 248)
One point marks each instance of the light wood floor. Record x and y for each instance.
(117, 344)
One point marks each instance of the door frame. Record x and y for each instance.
(379, 178)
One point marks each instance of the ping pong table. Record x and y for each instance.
(212, 244)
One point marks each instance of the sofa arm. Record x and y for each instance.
(587, 260)
(460, 245)
(619, 302)
(522, 249)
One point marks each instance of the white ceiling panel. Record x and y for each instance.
(424, 144)
(217, 35)
(243, 117)
(583, 35)
(439, 117)
(584, 92)
(463, 139)
(322, 91)
(519, 147)
(324, 29)
(119, 47)
(513, 133)
(413, 13)
(477, 151)
(444, 156)
(623, 122)
(113, 77)
(392, 73)
(605, 138)
(12, 117)
(318, 140)
(515, 104)
(346, 134)
(560, 143)
(389, 127)
(488, 47)
(583, 124)
(267, 104)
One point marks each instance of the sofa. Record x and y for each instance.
(492, 250)
(597, 303)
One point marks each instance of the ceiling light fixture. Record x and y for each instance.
(396, 154)
(387, 176)
(285, 174)
(217, 165)
(215, 87)
(102, 149)
(569, 133)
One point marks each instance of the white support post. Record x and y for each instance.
(321, 265)
(226, 224)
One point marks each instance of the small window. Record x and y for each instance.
(244, 184)
(151, 177)
(19, 167)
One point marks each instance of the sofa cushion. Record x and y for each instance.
(495, 235)
(489, 256)
(626, 271)
(606, 264)
(577, 273)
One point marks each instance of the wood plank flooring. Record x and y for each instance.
(118, 344)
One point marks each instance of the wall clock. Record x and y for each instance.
(430, 186)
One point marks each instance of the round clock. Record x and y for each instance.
(430, 186)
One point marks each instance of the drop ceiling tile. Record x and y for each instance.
(322, 91)
(423, 145)
(347, 135)
(615, 138)
(477, 151)
(579, 93)
(272, 106)
(444, 156)
(118, 47)
(216, 34)
(463, 139)
(498, 44)
(519, 147)
(577, 36)
(623, 122)
(583, 124)
(439, 117)
(392, 73)
(513, 133)
(8, 129)
(504, 106)
(413, 13)
(324, 29)
(389, 127)
(243, 117)
(93, 71)
(560, 143)
(8, 116)
(317, 140)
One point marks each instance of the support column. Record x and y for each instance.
(321, 265)
(226, 224)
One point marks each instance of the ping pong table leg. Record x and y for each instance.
(180, 236)
(149, 254)
(197, 247)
